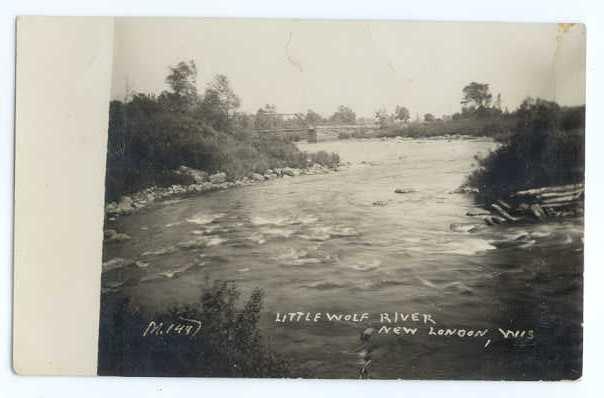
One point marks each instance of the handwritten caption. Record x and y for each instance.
(402, 323)
(180, 327)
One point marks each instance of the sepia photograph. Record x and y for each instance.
(344, 200)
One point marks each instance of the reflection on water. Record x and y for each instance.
(345, 242)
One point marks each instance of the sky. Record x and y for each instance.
(366, 65)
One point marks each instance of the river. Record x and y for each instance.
(345, 242)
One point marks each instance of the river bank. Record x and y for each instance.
(319, 244)
(202, 183)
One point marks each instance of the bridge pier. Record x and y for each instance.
(311, 135)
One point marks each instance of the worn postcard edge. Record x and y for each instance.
(63, 81)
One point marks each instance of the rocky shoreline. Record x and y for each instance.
(202, 182)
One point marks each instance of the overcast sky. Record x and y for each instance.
(366, 65)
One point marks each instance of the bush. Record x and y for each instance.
(147, 142)
(228, 344)
(546, 148)
(150, 136)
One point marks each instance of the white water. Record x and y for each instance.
(346, 242)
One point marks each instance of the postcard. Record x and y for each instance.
(338, 199)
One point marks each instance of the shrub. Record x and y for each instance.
(147, 142)
(149, 136)
(228, 344)
(545, 148)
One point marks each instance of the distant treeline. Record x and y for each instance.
(498, 127)
(543, 143)
(151, 135)
(268, 117)
(479, 116)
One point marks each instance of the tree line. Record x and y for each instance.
(151, 135)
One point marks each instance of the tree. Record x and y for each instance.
(383, 118)
(266, 117)
(219, 103)
(183, 84)
(242, 121)
(545, 148)
(476, 96)
(221, 87)
(312, 118)
(118, 140)
(401, 113)
(538, 114)
(344, 115)
(498, 102)
(428, 117)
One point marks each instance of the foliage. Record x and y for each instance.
(182, 79)
(312, 118)
(228, 343)
(543, 143)
(344, 115)
(150, 136)
(476, 96)
(401, 113)
(183, 83)
(546, 148)
(383, 119)
(267, 118)
(496, 127)
(219, 104)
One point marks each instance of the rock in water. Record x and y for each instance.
(404, 190)
(257, 177)
(111, 235)
(125, 205)
(465, 189)
(198, 176)
(111, 208)
(108, 233)
(116, 263)
(460, 227)
(292, 172)
(218, 178)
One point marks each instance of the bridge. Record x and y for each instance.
(314, 133)
(295, 125)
